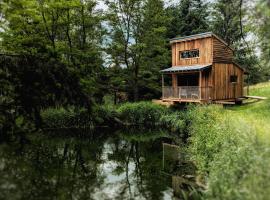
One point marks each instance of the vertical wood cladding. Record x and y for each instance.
(217, 79)
(223, 88)
(211, 50)
(204, 45)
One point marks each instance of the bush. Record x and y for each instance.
(228, 154)
(174, 122)
(145, 113)
(66, 118)
(104, 115)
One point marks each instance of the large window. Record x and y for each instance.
(189, 54)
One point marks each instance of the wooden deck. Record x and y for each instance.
(186, 94)
(181, 100)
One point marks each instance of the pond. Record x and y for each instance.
(103, 165)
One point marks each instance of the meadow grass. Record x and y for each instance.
(256, 114)
(231, 148)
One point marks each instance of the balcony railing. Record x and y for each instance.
(186, 93)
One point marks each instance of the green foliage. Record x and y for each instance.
(187, 17)
(141, 113)
(206, 135)
(138, 44)
(232, 21)
(174, 122)
(51, 54)
(261, 26)
(226, 150)
(226, 20)
(105, 116)
(72, 117)
(66, 118)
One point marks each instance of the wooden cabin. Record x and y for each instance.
(202, 71)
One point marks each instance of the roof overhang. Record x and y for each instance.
(192, 68)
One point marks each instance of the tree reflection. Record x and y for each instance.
(115, 166)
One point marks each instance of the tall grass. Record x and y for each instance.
(66, 118)
(229, 155)
(77, 118)
(141, 113)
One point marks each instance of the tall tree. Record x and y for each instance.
(226, 16)
(188, 17)
(55, 52)
(262, 17)
(230, 23)
(138, 41)
(155, 55)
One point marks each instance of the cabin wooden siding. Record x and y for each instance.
(221, 52)
(206, 84)
(211, 50)
(223, 88)
(214, 82)
(203, 44)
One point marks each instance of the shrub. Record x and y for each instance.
(66, 118)
(174, 122)
(104, 115)
(145, 113)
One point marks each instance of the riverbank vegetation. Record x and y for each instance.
(230, 148)
(228, 145)
(58, 54)
(60, 61)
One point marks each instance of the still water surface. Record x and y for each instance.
(103, 165)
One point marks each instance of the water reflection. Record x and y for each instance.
(103, 166)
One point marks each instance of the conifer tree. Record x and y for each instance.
(188, 17)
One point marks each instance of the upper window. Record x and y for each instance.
(233, 79)
(189, 54)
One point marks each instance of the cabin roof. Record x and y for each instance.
(198, 36)
(186, 68)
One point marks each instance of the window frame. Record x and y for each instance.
(180, 54)
(235, 79)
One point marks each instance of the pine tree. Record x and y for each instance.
(225, 21)
(155, 55)
(187, 18)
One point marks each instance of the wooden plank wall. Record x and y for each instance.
(203, 44)
(221, 52)
(223, 88)
(207, 84)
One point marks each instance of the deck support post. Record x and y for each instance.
(174, 85)
(162, 80)
(200, 85)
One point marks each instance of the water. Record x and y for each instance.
(100, 166)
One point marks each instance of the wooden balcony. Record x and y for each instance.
(186, 94)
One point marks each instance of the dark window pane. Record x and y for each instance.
(190, 54)
(233, 79)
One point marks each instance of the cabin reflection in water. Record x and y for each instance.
(182, 172)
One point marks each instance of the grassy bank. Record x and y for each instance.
(256, 114)
(231, 148)
(142, 114)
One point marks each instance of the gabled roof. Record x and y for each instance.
(198, 36)
(186, 68)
